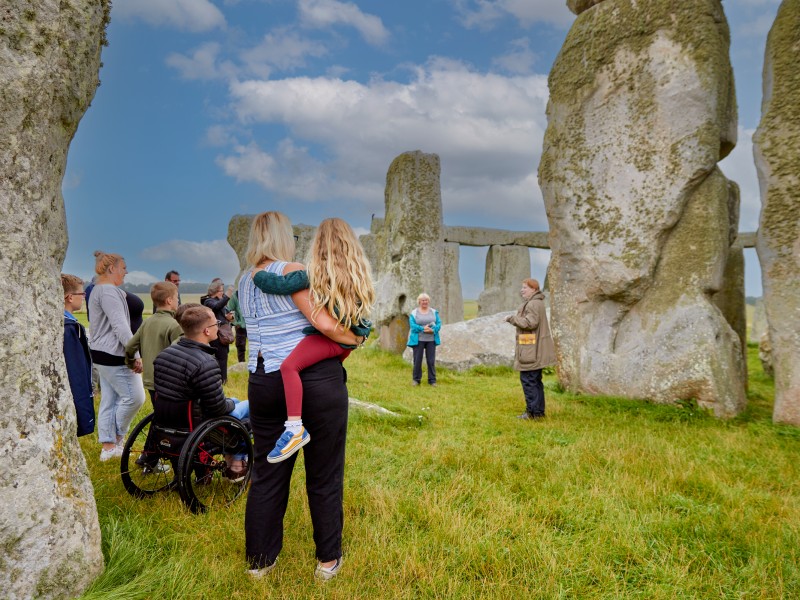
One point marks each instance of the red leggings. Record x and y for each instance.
(311, 350)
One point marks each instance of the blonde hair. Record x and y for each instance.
(162, 291)
(339, 274)
(270, 238)
(423, 296)
(103, 261)
(71, 284)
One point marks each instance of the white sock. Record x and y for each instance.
(294, 426)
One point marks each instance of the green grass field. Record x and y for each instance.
(456, 498)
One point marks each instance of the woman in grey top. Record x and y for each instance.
(423, 336)
(121, 390)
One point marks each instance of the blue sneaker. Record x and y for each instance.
(288, 444)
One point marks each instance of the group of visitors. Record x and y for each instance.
(298, 325)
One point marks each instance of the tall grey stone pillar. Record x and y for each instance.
(409, 246)
(49, 532)
(641, 111)
(777, 153)
(506, 267)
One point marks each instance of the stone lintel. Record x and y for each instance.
(746, 239)
(484, 236)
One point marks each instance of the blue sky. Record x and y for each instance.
(210, 108)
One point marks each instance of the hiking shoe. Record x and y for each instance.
(263, 571)
(415, 383)
(525, 416)
(288, 444)
(326, 573)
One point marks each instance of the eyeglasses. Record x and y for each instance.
(76, 294)
(175, 281)
(214, 324)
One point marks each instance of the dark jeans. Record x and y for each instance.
(325, 416)
(430, 358)
(221, 351)
(241, 343)
(534, 392)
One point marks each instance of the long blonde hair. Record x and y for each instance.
(339, 274)
(270, 238)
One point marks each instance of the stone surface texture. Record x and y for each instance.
(641, 110)
(776, 146)
(481, 341)
(759, 327)
(506, 267)
(409, 248)
(49, 63)
(578, 6)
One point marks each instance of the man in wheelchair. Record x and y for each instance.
(188, 381)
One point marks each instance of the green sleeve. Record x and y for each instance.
(282, 285)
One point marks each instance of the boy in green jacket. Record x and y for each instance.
(155, 334)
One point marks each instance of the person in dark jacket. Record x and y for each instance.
(187, 371)
(217, 301)
(76, 355)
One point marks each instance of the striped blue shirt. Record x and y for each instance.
(274, 323)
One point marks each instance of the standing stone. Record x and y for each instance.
(409, 246)
(759, 327)
(49, 63)
(776, 146)
(641, 110)
(506, 267)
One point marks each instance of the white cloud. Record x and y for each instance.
(519, 59)
(188, 15)
(486, 128)
(137, 277)
(322, 14)
(201, 63)
(740, 167)
(282, 49)
(209, 256)
(485, 14)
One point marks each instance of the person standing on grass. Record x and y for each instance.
(339, 280)
(121, 390)
(275, 326)
(534, 347)
(423, 336)
(77, 356)
(156, 333)
(217, 301)
(239, 327)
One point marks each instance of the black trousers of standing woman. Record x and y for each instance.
(221, 351)
(430, 358)
(325, 406)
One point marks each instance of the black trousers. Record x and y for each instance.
(221, 351)
(430, 358)
(533, 389)
(325, 404)
(241, 344)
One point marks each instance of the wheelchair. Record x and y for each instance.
(159, 459)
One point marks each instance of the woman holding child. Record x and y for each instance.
(275, 324)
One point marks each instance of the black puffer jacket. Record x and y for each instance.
(188, 371)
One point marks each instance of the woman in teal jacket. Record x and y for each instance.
(423, 336)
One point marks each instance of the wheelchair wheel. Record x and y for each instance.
(145, 471)
(204, 480)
